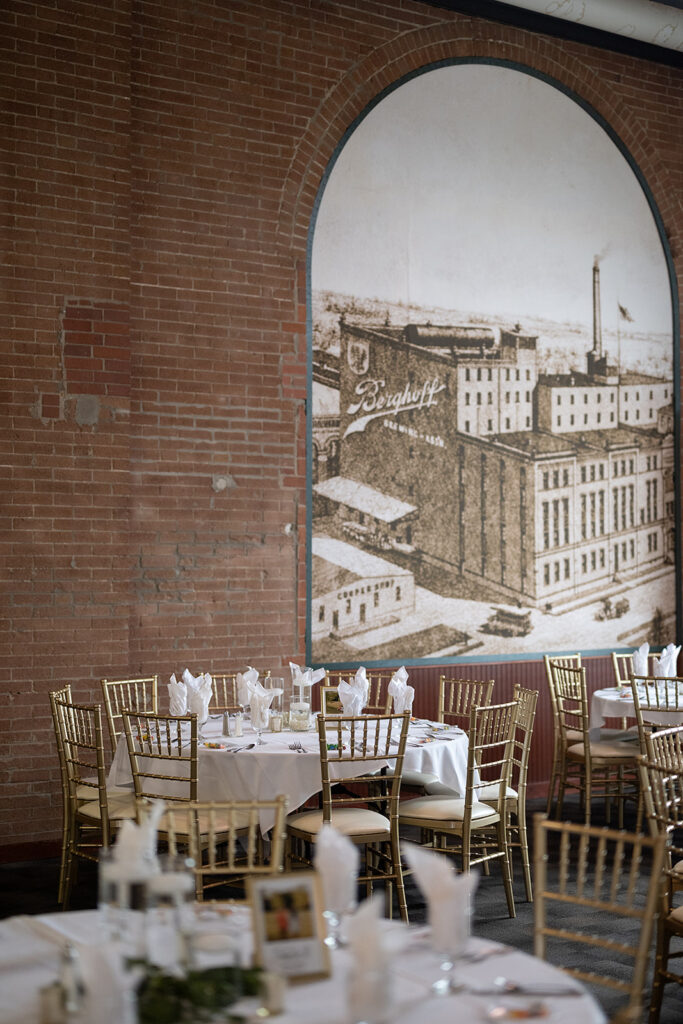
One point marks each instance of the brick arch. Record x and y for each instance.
(475, 38)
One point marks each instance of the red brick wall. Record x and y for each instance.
(163, 164)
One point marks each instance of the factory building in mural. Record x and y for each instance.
(452, 451)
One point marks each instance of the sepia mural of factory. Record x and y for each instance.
(451, 452)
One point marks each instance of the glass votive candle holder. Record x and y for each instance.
(276, 721)
(299, 716)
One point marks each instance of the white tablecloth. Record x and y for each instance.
(29, 959)
(264, 772)
(618, 703)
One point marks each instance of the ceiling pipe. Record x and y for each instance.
(659, 24)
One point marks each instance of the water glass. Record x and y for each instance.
(119, 894)
(170, 912)
(276, 686)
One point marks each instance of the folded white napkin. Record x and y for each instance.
(305, 676)
(199, 694)
(366, 938)
(177, 697)
(354, 693)
(640, 660)
(134, 852)
(337, 861)
(402, 695)
(244, 681)
(352, 700)
(449, 896)
(260, 700)
(666, 666)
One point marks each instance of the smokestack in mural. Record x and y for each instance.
(597, 325)
(596, 360)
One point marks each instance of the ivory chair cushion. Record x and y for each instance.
(415, 778)
(347, 820)
(446, 808)
(119, 805)
(623, 751)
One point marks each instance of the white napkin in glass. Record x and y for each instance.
(199, 694)
(244, 681)
(640, 660)
(260, 700)
(134, 852)
(177, 697)
(449, 896)
(305, 676)
(365, 936)
(666, 666)
(352, 700)
(402, 695)
(337, 861)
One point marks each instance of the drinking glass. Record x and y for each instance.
(276, 686)
(259, 720)
(119, 893)
(170, 912)
(449, 934)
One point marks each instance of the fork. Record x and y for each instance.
(298, 747)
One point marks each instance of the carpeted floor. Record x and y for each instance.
(30, 888)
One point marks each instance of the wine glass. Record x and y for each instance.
(259, 719)
(276, 686)
(449, 934)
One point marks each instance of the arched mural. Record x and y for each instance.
(492, 341)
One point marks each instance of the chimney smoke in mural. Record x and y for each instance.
(597, 325)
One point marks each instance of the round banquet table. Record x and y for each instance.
(265, 771)
(30, 950)
(612, 702)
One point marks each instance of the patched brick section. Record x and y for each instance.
(96, 346)
(50, 407)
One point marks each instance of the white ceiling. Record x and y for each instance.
(660, 24)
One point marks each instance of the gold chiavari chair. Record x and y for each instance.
(516, 794)
(474, 829)
(593, 767)
(223, 838)
(350, 749)
(63, 695)
(140, 693)
(622, 666)
(94, 812)
(225, 695)
(163, 756)
(457, 697)
(605, 897)
(560, 738)
(661, 772)
(658, 703)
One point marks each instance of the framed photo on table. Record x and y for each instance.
(289, 928)
(330, 703)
